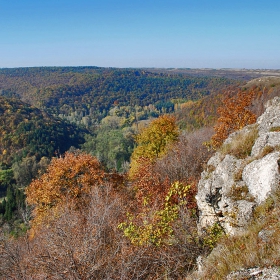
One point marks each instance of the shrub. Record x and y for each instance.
(187, 157)
(213, 234)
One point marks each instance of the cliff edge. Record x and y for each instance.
(242, 174)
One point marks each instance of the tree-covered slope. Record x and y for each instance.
(195, 114)
(88, 89)
(27, 131)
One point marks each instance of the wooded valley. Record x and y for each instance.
(100, 166)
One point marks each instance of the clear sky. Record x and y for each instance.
(146, 33)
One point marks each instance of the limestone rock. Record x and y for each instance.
(230, 188)
(266, 234)
(255, 273)
(269, 140)
(262, 176)
(216, 196)
(271, 117)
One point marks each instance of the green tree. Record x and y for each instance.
(28, 169)
(10, 205)
(113, 147)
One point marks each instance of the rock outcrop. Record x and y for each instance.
(233, 185)
(255, 273)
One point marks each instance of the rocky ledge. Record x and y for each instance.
(241, 175)
(255, 274)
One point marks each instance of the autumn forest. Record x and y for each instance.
(99, 167)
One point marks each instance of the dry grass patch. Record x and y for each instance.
(240, 192)
(241, 145)
(275, 129)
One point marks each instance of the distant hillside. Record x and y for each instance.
(196, 114)
(203, 112)
(27, 131)
(267, 82)
(236, 74)
(91, 90)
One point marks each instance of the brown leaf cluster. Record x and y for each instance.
(68, 178)
(234, 115)
(87, 245)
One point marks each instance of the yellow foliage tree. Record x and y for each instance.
(156, 226)
(152, 141)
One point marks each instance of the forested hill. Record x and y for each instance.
(26, 131)
(91, 90)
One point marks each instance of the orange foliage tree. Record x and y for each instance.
(150, 186)
(68, 178)
(234, 115)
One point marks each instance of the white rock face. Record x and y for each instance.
(262, 176)
(230, 188)
(271, 117)
(257, 273)
(216, 197)
(269, 139)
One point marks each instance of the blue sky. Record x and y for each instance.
(146, 33)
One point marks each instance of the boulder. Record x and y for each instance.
(262, 176)
(267, 140)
